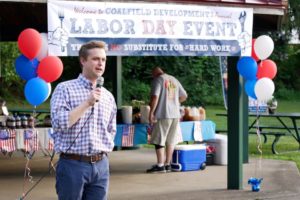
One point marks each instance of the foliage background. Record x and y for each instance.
(200, 76)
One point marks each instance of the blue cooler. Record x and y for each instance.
(189, 157)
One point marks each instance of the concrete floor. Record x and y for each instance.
(129, 180)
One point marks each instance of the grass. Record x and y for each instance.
(287, 145)
(287, 148)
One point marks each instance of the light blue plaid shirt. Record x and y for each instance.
(98, 132)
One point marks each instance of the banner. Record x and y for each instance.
(144, 29)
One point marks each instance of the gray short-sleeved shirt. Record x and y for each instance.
(168, 90)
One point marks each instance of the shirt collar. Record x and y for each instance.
(85, 82)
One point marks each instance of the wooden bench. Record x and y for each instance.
(274, 127)
(221, 131)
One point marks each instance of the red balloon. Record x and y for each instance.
(30, 43)
(266, 68)
(50, 68)
(253, 54)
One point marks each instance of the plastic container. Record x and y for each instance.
(210, 158)
(202, 113)
(24, 121)
(3, 122)
(11, 122)
(189, 157)
(221, 154)
(127, 114)
(145, 111)
(31, 122)
(18, 122)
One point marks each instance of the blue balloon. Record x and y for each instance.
(36, 91)
(26, 68)
(249, 88)
(247, 67)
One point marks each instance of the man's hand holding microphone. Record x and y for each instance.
(96, 92)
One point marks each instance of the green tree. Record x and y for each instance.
(11, 84)
(286, 55)
(200, 76)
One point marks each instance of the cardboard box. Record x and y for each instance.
(189, 157)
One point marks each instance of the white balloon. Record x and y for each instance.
(263, 47)
(44, 49)
(49, 90)
(264, 89)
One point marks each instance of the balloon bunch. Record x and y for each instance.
(258, 70)
(36, 67)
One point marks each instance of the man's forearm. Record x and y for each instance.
(78, 112)
(182, 99)
(153, 103)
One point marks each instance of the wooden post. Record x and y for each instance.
(245, 124)
(117, 81)
(235, 127)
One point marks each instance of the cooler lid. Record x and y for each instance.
(190, 147)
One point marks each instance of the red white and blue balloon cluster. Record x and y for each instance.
(258, 70)
(36, 67)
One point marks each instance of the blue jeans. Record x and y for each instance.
(77, 180)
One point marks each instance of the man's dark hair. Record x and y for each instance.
(83, 52)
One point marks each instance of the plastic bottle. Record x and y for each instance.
(18, 121)
(11, 122)
(24, 121)
(202, 113)
(31, 122)
(3, 124)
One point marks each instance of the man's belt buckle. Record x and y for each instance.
(93, 159)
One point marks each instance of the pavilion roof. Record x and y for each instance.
(17, 15)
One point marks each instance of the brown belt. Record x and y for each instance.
(88, 159)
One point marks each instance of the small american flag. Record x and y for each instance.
(9, 144)
(197, 131)
(50, 139)
(31, 143)
(127, 135)
(50, 145)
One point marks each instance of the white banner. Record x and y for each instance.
(149, 28)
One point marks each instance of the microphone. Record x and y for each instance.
(100, 82)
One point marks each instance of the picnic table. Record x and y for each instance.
(128, 135)
(279, 130)
(37, 112)
(134, 134)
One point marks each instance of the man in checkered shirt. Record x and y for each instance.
(84, 122)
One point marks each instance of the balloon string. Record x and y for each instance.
(27, 175)
(258, 141)
(28, 170)
(34, 116)
(29, 155)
